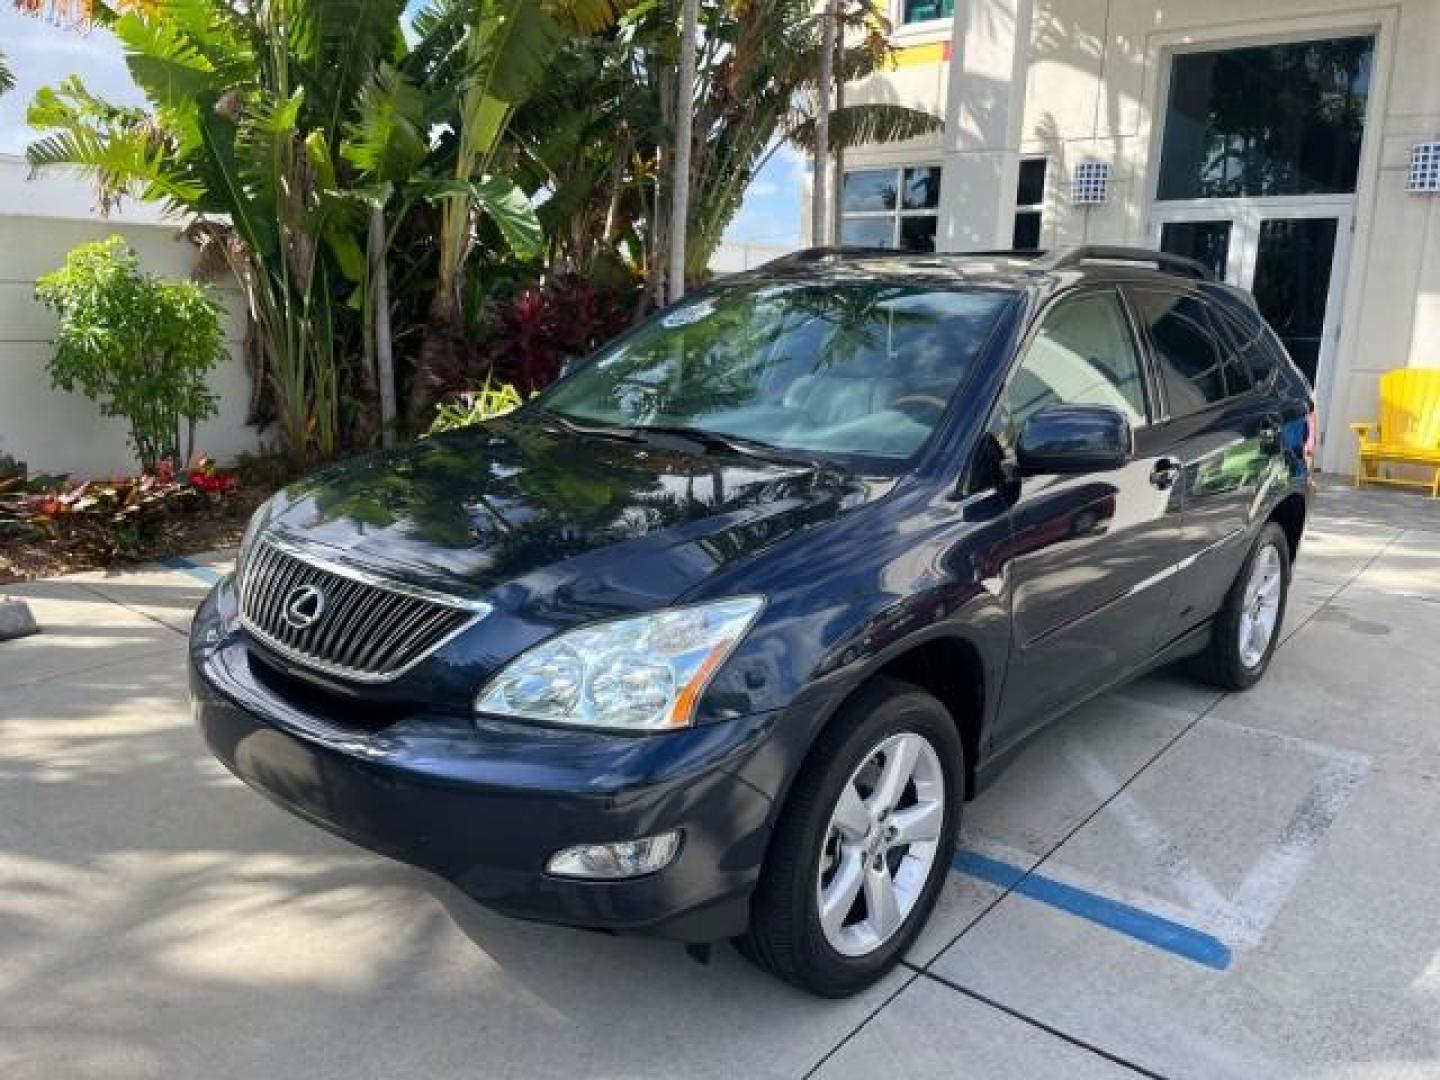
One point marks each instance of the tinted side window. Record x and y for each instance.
(1238, 379)
(1254, 345)
(1191, 358)
(1083, 354)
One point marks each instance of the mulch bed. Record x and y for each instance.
(26, 554)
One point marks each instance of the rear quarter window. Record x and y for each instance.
(1256, 346)
(1197, 365)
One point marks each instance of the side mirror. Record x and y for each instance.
(1067, 439)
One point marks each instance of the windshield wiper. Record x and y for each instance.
(710, 440)
(599, 431)
(737, 444)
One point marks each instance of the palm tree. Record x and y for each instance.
(680, 179)
(502, 50)
(600, 140)
(762, 73)
(386, 144)
(824, 82)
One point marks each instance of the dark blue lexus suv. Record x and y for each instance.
(714, 638)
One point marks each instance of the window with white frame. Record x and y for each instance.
(895, 207)
(921, 11)
(1029, 204)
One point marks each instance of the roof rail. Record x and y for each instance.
(809, 256)
(1044, 260)
(1161, 260)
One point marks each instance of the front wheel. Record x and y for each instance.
(1246, 630)
(863, 845)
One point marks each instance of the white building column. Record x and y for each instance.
(984, 113)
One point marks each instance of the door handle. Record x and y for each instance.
(1270, 436)
(1165, 473)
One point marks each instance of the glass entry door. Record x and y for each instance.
(1294, 262)
(1259, 158)
(1289, 254)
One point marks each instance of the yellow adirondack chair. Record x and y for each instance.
(1408, 432)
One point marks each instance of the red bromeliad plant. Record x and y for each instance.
(526, 339)
(123, 516)
(540, 328)
(204, 475)
(523, 349)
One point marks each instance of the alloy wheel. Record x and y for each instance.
(881, 844)
(1260, 608)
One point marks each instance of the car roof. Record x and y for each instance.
(1044, 271)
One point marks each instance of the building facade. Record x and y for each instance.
(1287, 144)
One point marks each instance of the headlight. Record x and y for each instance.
(258, 520)
(640, 674)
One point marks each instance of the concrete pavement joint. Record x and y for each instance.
(1049, 1029)
(130, 607)
(868, 1017)
(1199, 891)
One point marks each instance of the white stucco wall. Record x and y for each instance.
(1084, 79)
(40, 221)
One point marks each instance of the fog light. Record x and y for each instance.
(623, 859)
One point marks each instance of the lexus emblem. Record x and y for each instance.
(303, 606)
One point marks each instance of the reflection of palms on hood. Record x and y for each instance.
(477, 507)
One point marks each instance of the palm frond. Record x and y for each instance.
(866, 125)
(337, 42)
(165, 63)
(7, 77)
(120, 162)
(587, 17)
(387, 139)
(500, 200)
(509, 49)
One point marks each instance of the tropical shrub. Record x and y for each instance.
(526, 338)
(139, 346)
(295, 137)
(124, 517)
(473, 406)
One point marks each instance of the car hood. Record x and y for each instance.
(532, 515)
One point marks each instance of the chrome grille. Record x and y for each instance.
(364, 627)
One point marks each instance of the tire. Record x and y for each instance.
(815, 843)
(1228, 661)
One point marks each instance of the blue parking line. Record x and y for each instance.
(194, 569)
(1153, 930)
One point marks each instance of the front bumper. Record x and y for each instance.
(485, 807)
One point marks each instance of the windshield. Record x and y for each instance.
(847, 368)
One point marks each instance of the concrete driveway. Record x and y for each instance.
(1172, 882)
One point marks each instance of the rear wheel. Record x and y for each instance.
(1246, 631)
(863, 844)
